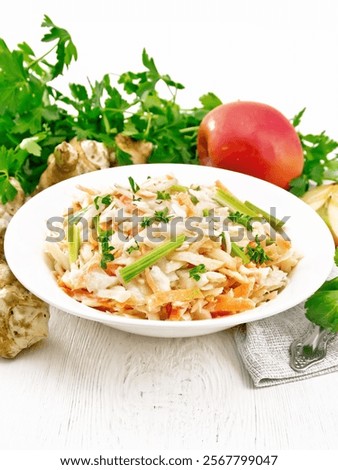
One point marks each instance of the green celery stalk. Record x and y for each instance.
(74, 242)
(76, 217)
(273, 221)
(227, 199)
(236, 251)
(133, 270)
(178, 188)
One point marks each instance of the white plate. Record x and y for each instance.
(25, 237)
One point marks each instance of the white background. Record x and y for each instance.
(281, 52)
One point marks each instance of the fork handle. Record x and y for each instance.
(309, 348)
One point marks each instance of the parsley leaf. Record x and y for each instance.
(162, 216)
(195, 272)
(133, 248)
(206, 212)
(336, 257)
(7, 190)
(210, 101)
(104, 240)
(241, 219)
(320, 159)
(256, 252)
(65, 48)
(297, 119)
(35, 116)
(159, 216)
(193, 199)
(11, 162)
(322, 306)
(163, 196)
(134, 186)
(223, 241)
(31, 121)
(146, 222)
(106, 200)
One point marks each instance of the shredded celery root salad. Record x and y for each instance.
(160, 260)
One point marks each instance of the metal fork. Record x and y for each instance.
(310, 348)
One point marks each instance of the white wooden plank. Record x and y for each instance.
(91, 386)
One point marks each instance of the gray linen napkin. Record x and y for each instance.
(264, 347)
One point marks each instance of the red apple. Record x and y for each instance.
(251, 138)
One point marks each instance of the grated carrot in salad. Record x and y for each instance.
(162, 250)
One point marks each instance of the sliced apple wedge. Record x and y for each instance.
(332, 214)
(318, 196)
(324, 200)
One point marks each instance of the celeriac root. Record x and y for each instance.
(78, 157)
(23, 317)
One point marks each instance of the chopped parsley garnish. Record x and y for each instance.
(223, 242)
(159, 216)
(242, 219)
(257, 253)
(146, 222)
(194, 199)
(106, 200)
(133, 248)
(134, 186)
(162, 216)
(106, 258)
(106, 248)
(103, 237)
(206, 212)
(195, 272)
(163, 196)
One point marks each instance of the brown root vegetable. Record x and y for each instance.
(2, 238)
(82, 156)
(139, 150)
(75, 158)
(23, 317)
(9, 209)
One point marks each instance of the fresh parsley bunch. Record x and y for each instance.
(32, 121)
(320, 159)
(35, 116)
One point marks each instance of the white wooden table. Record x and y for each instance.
(90, 386)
